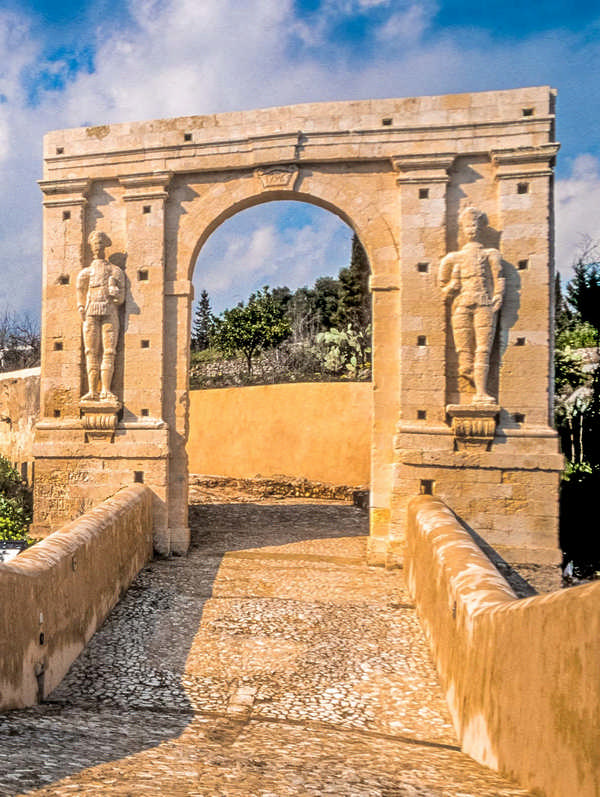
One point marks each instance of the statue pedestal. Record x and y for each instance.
(99, 419)
(473, 425)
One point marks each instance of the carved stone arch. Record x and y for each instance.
(374, 221)
(396, 171)
(207, 212)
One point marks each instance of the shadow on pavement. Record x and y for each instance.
(129, 690)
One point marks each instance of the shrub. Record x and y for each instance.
(579, 539)
(15, 503)
(345, 351)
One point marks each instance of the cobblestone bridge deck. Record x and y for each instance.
(269, 662)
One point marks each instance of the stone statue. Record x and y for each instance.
(472, 279)
(100, 289)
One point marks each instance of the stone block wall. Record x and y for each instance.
(19, 412)
(520, 676)
(54, 596)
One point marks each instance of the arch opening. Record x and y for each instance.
(311, 418)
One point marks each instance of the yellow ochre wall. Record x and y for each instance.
(318, 431)
(521, 676)
(55, 595)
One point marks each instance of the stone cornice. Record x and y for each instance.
(316, 146)
(420, 168)
(69, 191)
(147, 185)
(70, 185)
(524, 162)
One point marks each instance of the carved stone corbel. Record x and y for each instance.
(473, 425)
(99, 419)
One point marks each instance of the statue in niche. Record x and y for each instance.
(472, 280)
(100, 290)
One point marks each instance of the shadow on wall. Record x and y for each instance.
(521, 676)
(147, 670)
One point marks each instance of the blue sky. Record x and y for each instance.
(96, 61)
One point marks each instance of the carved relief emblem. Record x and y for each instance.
(278, 176)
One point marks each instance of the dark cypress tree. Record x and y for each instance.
(583, 292)
(355, 300)
(327, 299)
(202, 323)
(562, 314)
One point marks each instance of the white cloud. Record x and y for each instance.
(408, 25)
(180, 57)
(577, 210)
(183, 57)
(263, 245)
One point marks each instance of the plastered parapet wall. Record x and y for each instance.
(54, 596)
(19, 412)
(315, 431)
(399, 171)
(520, 676)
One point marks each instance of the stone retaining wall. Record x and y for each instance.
(55, 595)
(520, 676)
(19, 412)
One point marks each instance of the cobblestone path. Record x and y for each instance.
(269, 662)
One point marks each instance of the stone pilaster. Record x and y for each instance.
(64, 203)
(524, 180)
(422, 184)
(144, 198)
(64, 255)
(179, 295)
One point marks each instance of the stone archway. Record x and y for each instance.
(398, 172)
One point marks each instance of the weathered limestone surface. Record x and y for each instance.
(55, 595)
(19, 412)
(520, 676)
(269, 661)
(400, 172)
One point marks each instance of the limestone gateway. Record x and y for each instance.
(462, 376)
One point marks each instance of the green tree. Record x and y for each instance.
(355, 299)
(250, 328)
(327, 299)
(282, 296)
(202, 324)
(583, 291)
(577, 402)
(563, 317)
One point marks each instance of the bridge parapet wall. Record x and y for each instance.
(54, 596)
(520, 676)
